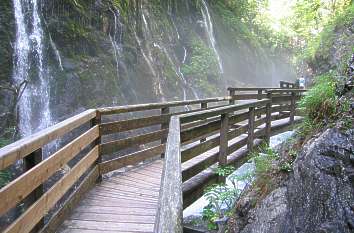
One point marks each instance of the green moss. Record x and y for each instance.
(320, 101)
(202, 69)
(319, 48)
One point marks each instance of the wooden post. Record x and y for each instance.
(259, 97)
(223, 148)
(231, 94)
(223, 139)
(29, 162)
(250, 128)
(292, 107)
(268, 122)
(97, 121)
(164, 111)
(203, 106)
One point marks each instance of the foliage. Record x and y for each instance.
(263, 159)
(320, 101)
(319, 46)
(202, 69)
(222, 197)
(5, 177)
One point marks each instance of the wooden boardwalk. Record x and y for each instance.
(143, 198)
(121, 203)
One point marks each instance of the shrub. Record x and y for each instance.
(320, 101)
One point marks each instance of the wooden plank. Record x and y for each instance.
(200, 131)
(238, 132)
(114, 217)
(151, 106)
(29, 162)
(20, 149)
(137, 123)
(73, 200)
(193, 189)
(282, 90)
(260, 122)
(280, 108)
(108, 226)
(237, 118)
(224, 129)
(92, 201)
(268, 123)
(130, 159)
(237, 145)
(108, 196)
(128, 181)
(199, 149)
(19, 188)
(196, 168)
(251, 128)
(32, 215)
(170, 211)
(218, 111)
(114, 146)
(248, 96)
(252, 88)
(140, 211)
(130, 190)
(231, 94)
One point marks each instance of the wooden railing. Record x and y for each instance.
(225, 137)
(100, 141)
(97, 142)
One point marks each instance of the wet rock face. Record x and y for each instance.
(318, 197)
(321, 192)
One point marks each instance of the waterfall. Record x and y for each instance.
(148, 56)
(208, 24)
(178, 71)
(56, 52)
(117, 41)
(29, 66)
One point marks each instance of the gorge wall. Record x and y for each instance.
(69, 55)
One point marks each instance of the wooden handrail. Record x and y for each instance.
(20, 149)
(212, 126)
(170, 208)
(228, 109)
(152, 106)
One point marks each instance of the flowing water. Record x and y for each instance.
(56, 52)
(209, 27)
(34, 113)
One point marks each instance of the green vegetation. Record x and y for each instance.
(320, 101)
(202, 70)
(222, 197)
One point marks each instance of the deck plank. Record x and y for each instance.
(125, 202)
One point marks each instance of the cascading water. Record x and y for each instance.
(179, 72)
(56, 52)
(117, 41)
(148, 56)
(29, 66)
(209, 27)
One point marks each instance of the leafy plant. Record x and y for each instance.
(5, 177)
(320, 101)
(222, 197)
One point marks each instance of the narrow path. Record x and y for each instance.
(121, 203)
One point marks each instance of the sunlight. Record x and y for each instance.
(278, 10)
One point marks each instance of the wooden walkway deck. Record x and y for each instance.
(143, 198)
(121, 203)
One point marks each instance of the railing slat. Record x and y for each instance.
(114, 146)
(15, 191)
(131, 159)
(20, 149)
(170, 210)
(27, 220)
